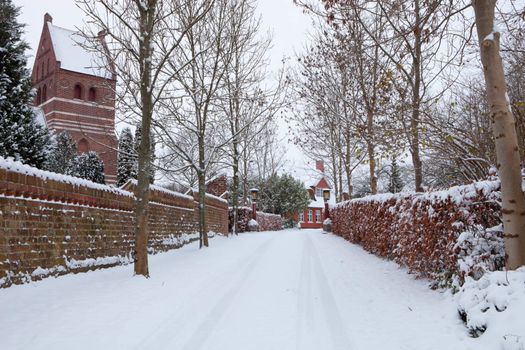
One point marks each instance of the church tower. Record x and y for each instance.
(76, 92)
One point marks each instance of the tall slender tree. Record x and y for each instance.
(504, 130)
(126, 158)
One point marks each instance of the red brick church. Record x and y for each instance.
(76, 92)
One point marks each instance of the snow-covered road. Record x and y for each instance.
(274, 290)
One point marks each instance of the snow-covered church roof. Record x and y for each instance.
(67, 45)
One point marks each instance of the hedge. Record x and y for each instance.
(421, 231)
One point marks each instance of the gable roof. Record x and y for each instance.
(316, 181)
(73, 57)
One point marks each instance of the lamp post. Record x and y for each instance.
(326, 197)
(254, 192)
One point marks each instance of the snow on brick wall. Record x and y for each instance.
(54, 224)
(421, 231)
(266, 221)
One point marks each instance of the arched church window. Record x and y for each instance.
(92, 96)
(78, 92)
(83, 146)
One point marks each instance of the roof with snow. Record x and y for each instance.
(70, 51)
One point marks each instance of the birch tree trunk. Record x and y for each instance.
(504, 130)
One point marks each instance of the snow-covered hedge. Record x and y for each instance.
(267, 222)
(435, 234)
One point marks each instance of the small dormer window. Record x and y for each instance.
(319, 192)
(77, 92)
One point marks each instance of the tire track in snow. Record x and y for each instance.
(340, 338)
(204, 329)
(305, 314)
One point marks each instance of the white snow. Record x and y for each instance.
(67, 45)
(276, 290)
(458, 194)
(496, 302)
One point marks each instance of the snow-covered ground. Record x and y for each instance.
(275, 290)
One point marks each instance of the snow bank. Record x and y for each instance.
(493, 307)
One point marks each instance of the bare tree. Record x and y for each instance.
(141, 36)
(193, 109)
(248, 104)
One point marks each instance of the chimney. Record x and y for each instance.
(319, 165)
(48, 18)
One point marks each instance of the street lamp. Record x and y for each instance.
(326, 197)
(254, 192)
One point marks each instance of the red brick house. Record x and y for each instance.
(76, 92)
(313, 216)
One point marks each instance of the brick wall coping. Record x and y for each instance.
(133, 183)
(211, 196)
(10, 165)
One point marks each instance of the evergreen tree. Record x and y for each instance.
(62, 155)
(396, 183)
(21, 137)
(138, 137)
(282, 195)
(127, 161)
(89, 166)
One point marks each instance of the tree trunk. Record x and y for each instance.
(416, 104)
(507, 151)
(235, 188)
(203, 232)
(144, 153)
(372, 166)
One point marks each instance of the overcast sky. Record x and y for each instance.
(288, 25)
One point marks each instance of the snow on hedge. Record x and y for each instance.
(18, 167)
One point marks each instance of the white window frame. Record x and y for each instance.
(310, 215)
(317, 216)
(301, 216)
(319, 192)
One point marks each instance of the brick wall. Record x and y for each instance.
(266, 221)
(52, 224)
